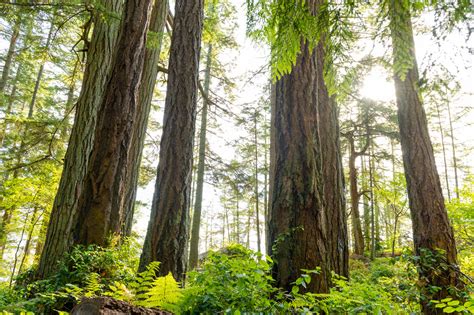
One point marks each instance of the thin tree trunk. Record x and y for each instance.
(431, 228)
(196, 223)
(29, 240)
(39, 76)
(444, 152)
(10, 53)
(101, 212)
(97, 73)
(453, 146)
(366, 204)
(357, 235)
(372, 201)
(167, 236)
(150, 72)
(257, 212)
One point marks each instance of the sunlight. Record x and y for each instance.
(377, 86)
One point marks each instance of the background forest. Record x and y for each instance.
(225, 156)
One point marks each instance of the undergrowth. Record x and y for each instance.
(234, 280)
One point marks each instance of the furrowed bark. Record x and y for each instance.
(101, 212)
(97, 73)
(168, 229)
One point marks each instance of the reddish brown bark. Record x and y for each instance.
(100, 206)
(431, 228)
(168, 229)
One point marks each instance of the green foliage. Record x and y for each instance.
(232, 280)
(450, 306)
(85, 272)
(285, 25)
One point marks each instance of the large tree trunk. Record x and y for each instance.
(431, 227)
(101, 205)
(10, 53)
(168, 229)
(297, 222)
(147, 86)
(334, 198)
(97, 72)
(196, 224)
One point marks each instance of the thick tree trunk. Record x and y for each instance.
(196, 224)
(147, 86)
(358, 237)
(97, 73)
(10, 53)
(334, 197)
(101, 212)
(298, 227)
(168, 229)
(431, 228)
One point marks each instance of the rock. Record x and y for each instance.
(110, 306)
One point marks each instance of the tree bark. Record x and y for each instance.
(168, 229)
(97, 73)
(150, 72)
(196, 223)
(431, 228)
(298, 227)
(333, 184)
(101, 212)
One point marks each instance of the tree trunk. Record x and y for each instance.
(443, 146)
(41, 70)
(101, 204)
(196, 224)
(372, 202)
(167, 235)
(431, 227)
(150, 72)
(357, 235)
(453, 146)
(333, 174)
(297, 222)
(256, 192)
(97, 72)
(10, 54)
(366, 204)
(29, 240)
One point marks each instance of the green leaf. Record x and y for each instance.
(449, 309)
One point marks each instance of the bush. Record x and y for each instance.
(235, 279)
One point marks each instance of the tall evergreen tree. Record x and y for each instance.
(431, 227)
(168, 228)
(97, 72)
(101, 203)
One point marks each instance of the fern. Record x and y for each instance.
(165, 293)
